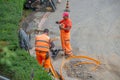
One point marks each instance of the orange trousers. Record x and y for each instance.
(65, 42)
(41, 58)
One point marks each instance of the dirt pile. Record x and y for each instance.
(80, 72)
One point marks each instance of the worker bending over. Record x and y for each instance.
(65, 27)
(42, 46)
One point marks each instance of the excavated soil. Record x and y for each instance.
(80, 72)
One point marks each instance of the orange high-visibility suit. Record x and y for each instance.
(42, 45)
(65, 36)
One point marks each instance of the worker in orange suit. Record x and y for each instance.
(42, 47)
(65, 27)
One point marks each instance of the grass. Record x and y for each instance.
(16, 64)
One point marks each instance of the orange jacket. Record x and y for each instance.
(42, 43)
(67, 23)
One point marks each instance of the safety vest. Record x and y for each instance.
(42, 43)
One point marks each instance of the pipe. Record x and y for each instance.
(3, 78)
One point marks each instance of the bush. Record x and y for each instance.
(23, 65)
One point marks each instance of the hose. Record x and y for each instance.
(94, 61)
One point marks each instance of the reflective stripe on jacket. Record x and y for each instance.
(42, 43)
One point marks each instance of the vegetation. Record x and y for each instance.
(15, 63)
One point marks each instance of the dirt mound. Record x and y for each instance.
(80, 72)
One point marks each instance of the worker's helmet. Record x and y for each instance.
(65, 14)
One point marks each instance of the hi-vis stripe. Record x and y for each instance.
(42, 41)
(42, 47)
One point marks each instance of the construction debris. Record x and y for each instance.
(81, 72)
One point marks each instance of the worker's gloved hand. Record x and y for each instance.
(57, 22)
(61, 26)
(47, 55)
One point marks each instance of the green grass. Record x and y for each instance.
(15, 63)
(22, 66)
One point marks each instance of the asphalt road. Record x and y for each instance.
(95, 33)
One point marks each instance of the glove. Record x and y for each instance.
(57, 22)
(47, 55)
(60, 26)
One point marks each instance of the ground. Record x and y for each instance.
(95, 33)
